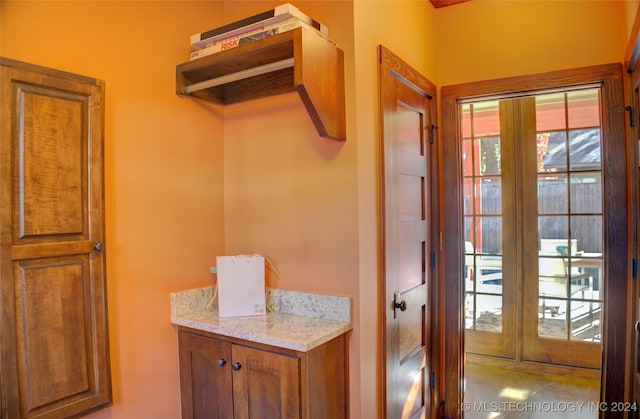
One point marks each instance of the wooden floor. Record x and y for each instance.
(494, 392)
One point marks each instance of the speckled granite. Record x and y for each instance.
(300, 321)
(189, 301)
(311, 305)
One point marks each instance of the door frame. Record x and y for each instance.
(614, 379)
(632, 93)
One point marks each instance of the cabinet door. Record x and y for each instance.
(205, 377)
(265, 384)
(54, 360)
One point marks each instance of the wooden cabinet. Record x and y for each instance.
(54, 358)
(297, 60)
(222, 377)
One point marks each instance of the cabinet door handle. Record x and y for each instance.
(236, 366)
(98, 246)
(222, 362)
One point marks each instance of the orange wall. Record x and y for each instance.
(290, 194)
(630, 12)
(488, 39)
(164, 177)
(186, 181)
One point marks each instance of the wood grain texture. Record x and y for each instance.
(55, 353)
(409, 225)
(258, 380)
(205, 385)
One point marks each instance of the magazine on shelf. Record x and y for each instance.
(262, 32)
(270, 17)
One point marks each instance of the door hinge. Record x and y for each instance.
(432, 134)
(432, 380)
(634, 268)
(433, 260)
(630, 111)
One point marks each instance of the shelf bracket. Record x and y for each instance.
(240, 75)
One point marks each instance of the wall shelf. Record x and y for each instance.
(298, 60)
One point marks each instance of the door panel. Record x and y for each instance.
(49, 162)
(408, 230)
(205, 377)
(52, 292)
(265, 384)
(55, 359)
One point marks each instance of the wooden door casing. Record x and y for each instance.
(55, 356)
(408, 201)
(633, 100)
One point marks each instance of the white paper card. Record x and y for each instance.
(241, 286)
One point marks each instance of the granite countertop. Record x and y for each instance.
(298, 321)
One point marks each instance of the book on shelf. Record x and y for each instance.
(253, 35)
(278, 14)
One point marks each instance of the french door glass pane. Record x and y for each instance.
(583, 108)
(586, 192)
(550, 112)
(586, 317)
(489, 313)
(488, 162)
(465, 125)
(584, 149)
(587, 229)
(552, 318)
(485, 119)
(552, 196)
(551, 151)
(490, 197)
(553, 227)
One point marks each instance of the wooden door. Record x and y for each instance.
(55, 359)
(265, 384)
(407, 100)
(205, 377)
